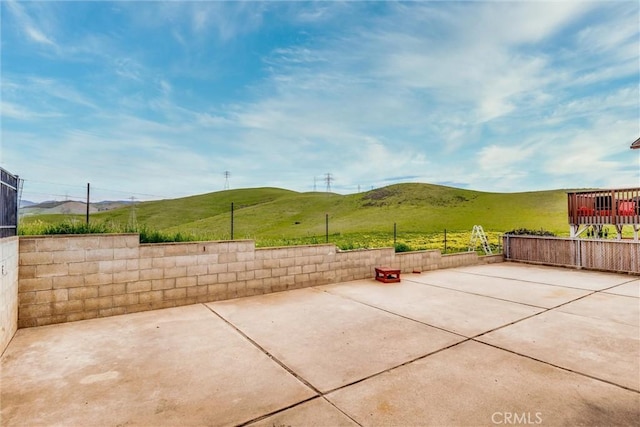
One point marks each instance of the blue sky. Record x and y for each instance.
(159, 99)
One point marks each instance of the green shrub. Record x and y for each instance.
(402, 247)
(528, 232)
(76, 227)
(147, 234)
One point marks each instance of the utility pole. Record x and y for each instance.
(327, 179)
(227, 174)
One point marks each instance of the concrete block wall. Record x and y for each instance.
(68, 278)
(8, 290)
(419, 261)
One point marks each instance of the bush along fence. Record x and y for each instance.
(446, 241)
(67, 278)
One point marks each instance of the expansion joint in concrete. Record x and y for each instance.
(560, 367)
(395, 314)
(474, 338)
(473, 293)
(265, 351)
(319, 394)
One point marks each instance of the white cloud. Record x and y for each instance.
(37, 35)
(504, 160)
(599, 37)
(19, 112)
(61, 90)
(228, 19)
(516, 23)
(30, 25)
(501, 96)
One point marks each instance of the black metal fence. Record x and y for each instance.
(8, 204)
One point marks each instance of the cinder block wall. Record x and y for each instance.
(8, 290)
(67, 278)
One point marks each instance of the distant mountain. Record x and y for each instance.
(69, 207)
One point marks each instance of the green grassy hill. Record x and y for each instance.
(271, 213)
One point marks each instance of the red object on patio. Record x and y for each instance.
(387, 275)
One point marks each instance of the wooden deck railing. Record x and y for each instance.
(602, 207)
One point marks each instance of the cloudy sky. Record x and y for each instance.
(159, 99)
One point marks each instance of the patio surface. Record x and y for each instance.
(498, 344)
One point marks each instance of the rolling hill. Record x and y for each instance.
(68, 207)
(273, 212)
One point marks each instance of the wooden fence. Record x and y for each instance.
(595, 254)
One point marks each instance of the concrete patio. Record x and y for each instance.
(498, 344)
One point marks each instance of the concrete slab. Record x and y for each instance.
(631, 289)
(473, 384)
(535, 294)
(328, 340)
(189, 366)
(315, 413)
(452, 310)
(580, 279)
(179, 366)
(600, 348)
(616, 308)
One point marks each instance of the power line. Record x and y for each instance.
(67, 195)
(82, 186)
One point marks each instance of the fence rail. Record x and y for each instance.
(618, 207)
(8, 204)
(595, 254)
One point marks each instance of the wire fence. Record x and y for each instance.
(321, 228)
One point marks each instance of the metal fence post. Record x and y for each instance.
(88, 200)
(395, 234)
(326, 228)
(445, 240)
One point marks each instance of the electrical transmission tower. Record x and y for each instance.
(327, 179)
(227, 174)
(314, 183)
